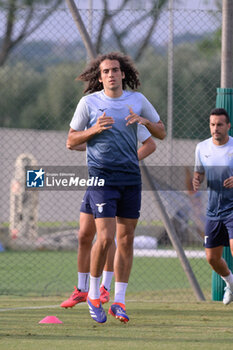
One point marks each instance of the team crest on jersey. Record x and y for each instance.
(129, 106)
(100, 207)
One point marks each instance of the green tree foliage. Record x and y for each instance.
(46, 99)
(38, 100)
(20, 86)
(153, 76)
(196, 77)
(211, 46)
(195, 81)
(57, 100)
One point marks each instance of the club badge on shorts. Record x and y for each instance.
(100, 207)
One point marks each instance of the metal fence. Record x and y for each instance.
(179, 67)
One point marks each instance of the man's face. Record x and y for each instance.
(219, 129)
(111, 76)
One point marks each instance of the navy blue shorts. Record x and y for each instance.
(111, 201)
(85, 205)
(218, 233)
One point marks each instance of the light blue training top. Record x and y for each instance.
(112, 154)
(217, 164)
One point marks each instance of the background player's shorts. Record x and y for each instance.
(85, 206)
(111, 201)
(218, 233)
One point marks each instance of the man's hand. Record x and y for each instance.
(197, 180)
(134, 118)
(81, 137)
(103, 123)
(156, 129)
(228, 183)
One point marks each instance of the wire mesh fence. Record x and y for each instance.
(38, 229)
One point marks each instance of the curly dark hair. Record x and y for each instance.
(92, 73)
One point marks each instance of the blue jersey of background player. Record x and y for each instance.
(214, 159)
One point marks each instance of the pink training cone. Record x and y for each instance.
(50, 319)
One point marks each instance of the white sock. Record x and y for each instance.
(120, 290)
(94, 291)
(83, 281)
(107, 279)
(229, 280)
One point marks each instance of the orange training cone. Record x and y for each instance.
(50, 319)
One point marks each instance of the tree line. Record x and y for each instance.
(46, 99)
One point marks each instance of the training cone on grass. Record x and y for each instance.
(50, 319)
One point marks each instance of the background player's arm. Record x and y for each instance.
(156, 129)
(81, 147)
(198, 178)
(148, 147)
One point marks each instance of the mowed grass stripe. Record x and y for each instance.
(197, 325)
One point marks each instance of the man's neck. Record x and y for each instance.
(113, 93)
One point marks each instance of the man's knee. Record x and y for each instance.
(84, 238)
(125, 241)
(213, 260)
(105, 241)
